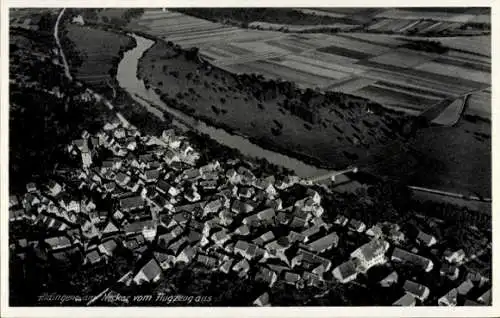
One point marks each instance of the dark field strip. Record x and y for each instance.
(470, 65)
(439, 78)
(411, 89)
(345, 52)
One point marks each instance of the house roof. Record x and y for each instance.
(410, 257)
(241, 207)
(425, 238)
(110, 228)
(132, 202)
(138, 226)
(405, 300)
(416, 289)
(297, 222)
(264, 238)
(57, 241)
(291, 277)
(465, 287)
(266, 214)
(372, 249)
(485, 298)
(207, 260)
(327, 241)
(109, 245)
(151, 269)
(347, 269)
(262, 300)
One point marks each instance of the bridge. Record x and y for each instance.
(333, 175)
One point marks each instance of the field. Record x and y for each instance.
(345, 62)
(99, 48)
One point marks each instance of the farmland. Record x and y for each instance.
(99, 51)
(376, 66)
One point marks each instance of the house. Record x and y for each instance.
(426, 239)
(266, 275)
(146, 227)
(241, 267)
(16, 215)
(297, 223)
(390, 279)
(371, 254)
(165, 239)
(295, 237)
(165, 260)
(325, 243)
(450, 271)
(341, 220)
(92, 257)
(233, 176)
(208, 261)
(226, 266)
(454, 257)
(163, 187)
(151, 272)
(212, 207)
(291, 278)
(264, 238)
(287, 182)
(221, 237)
(246, 192)
(400, 255)
(248, 250)
(208, 184)
(54, 188)
(178, 246)
(311, 231)
(357, 226)
(449, 299)
(150, 176)
(134, 242)
(418, 290)
(226, 217)
(192, 195)
(345, 272)
(240, 207)
(107, 247)
(465, 287)
(485, 298)
(406, 300)
(132, 203)
(13, 201)
(186, 255)
(375, 231)
(267, 215)
(57, 243)
(262, 300)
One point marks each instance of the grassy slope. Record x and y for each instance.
(327, 140)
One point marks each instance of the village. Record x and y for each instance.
(154, 195)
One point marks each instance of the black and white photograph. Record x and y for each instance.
(249, 157)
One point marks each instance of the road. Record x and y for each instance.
(56, 37)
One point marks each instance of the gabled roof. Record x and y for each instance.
(110, 228)
(151, 269)
(326, 242)
(405, 300)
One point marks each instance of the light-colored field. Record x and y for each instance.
(456, 71)
(346, 62)
(322, 13)
(402, 58)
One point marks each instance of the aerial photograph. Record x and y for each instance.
(251, 156)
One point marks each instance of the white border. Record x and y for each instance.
(7, 311)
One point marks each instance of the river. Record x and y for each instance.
(127, 79)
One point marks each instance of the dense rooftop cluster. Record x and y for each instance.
(149, 193)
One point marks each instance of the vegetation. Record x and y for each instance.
(426, 45)
(244, 16)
